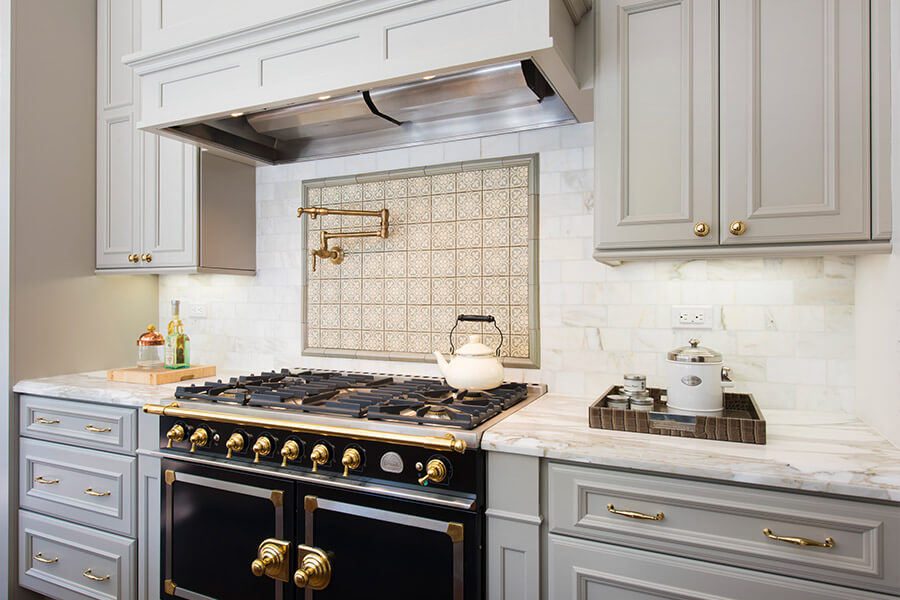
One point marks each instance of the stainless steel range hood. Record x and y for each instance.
(475, 102)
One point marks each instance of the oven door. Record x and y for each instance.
(357, 545)
(214, 523)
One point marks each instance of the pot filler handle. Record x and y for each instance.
(476, 319)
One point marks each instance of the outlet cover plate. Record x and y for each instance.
(692, 316)
(197, 311)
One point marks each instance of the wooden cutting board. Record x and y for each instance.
(159, 376)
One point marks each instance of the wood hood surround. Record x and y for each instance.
(199, 63)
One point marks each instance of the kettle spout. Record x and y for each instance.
(442, 364)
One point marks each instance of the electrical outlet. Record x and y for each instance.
(692, 317)
(197, 311)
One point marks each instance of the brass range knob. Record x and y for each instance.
(290, 451)
(146, 257)
(701, 229)
(200, 438)
(272, 560)
(235, 443)
(737, 228)
(176, 434)
(314, 568)
(435, 471)
(262, 447)
(351, 460)
(319, 456)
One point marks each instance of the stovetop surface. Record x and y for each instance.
(373, 397)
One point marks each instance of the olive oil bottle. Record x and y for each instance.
(178, 344)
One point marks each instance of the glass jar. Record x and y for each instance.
(151, 346)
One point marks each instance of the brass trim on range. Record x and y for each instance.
(635, 515)
(170, 476)
(448, 443)
(277, 498)
(169, 586)
(799, 541)
(455, 531)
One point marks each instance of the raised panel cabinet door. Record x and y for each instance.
(656, 123)
(118, 215)
(795, 104)
(170, 199)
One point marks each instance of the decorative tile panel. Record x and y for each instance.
(458, 244)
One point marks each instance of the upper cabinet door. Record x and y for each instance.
(170, 202)
(656, 123)
(795, 121)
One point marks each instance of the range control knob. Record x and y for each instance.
(199, 438)
(435, 471)
(290, 451)
(319, 456)
(262, 447)
(176, 434)
(235, 443)
(351, 460)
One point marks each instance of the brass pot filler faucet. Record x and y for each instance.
(336, 254)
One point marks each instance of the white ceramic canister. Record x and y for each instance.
(696, 378)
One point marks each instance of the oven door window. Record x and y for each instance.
(386, 549)
(214, 521)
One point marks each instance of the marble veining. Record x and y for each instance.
(826, 452)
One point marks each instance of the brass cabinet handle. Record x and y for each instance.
(97, 429)
(799, 541)
(737, 228)
(46, 421)
(134, 258)
(146, 257)
(40, 479)
(92, 577)
(40, 558)
(314, 570)
(701, 229)
(634, 515)
(91, 492)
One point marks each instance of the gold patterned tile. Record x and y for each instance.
(312, 316)
(469, 234)
(468, 205)
(518, 202)
(495, 203)
(518, 290)
(518, 176)
(350, 340)
(351, 291)
(496, 232)
(395, 318)
(443, 184)
(518, 319)
(419, 237)
(440, 341)
(351, 316)
(468, 181)
(443, 263)
(395, 291)
(419, 186)
(351, 193)
(443, 207)
(312, 338)
(397, 238)
(418, 317)
(469, 262)
(442, 318)
(395, 264)
(495, 290)
(418, 264)
(330, 338)
(443, 236)
(496, 261)
(372, 317)
(419, 342)
(350, 268)
(418, 209)
(468, 290)
(396, 210)
(313, 196)
(493, 179)
(373, 291)
(518, 346)
(518, 231)
(395, 341)
(395, 188)
(373, 190)
(518, 260)
(372, 340)
(373, 265)
(332, 195)
(313, 290)
(331, 316)
(418, 291)
(443, 290)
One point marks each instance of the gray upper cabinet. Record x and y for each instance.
(742, 127)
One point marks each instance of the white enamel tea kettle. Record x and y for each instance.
(474, 366)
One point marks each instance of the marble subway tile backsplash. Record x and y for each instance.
(785, 326)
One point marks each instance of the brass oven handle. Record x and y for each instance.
(634, 515)
(91, 492)
(96, 429)
(799, 541)
(40, 558)
(272, 560)
(314, 568)
(40, 479)
(94, 577)
(44, 421)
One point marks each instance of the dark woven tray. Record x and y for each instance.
(742, 420)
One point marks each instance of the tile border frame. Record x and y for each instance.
(532, 161)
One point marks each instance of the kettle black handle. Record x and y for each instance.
(476, 319)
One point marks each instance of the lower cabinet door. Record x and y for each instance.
(594, 571)
(67, 561)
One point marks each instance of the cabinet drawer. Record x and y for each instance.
(86, 486)
(80, 423)
(59, 559)
(725, 523)
(595, 571)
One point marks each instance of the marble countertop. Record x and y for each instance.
(832, 453)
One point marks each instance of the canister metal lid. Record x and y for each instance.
(694, 353)
(151, 337)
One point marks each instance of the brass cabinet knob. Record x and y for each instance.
(319, 456)
(146, 257)
(351, 460)
(176, 434)
(435, 471)
(314, 568)
(737, 228)
(290, 451)
(235, 443)
(134, 258)
(262, 447)
(199, 438)
(272, 560)
(701, 229)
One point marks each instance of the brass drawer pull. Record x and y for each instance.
(97, 429)
(634, 515)
(91, 492)
(40, 558)
(40, 479)
(46, 421)
(799, 541)
(92, 577)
